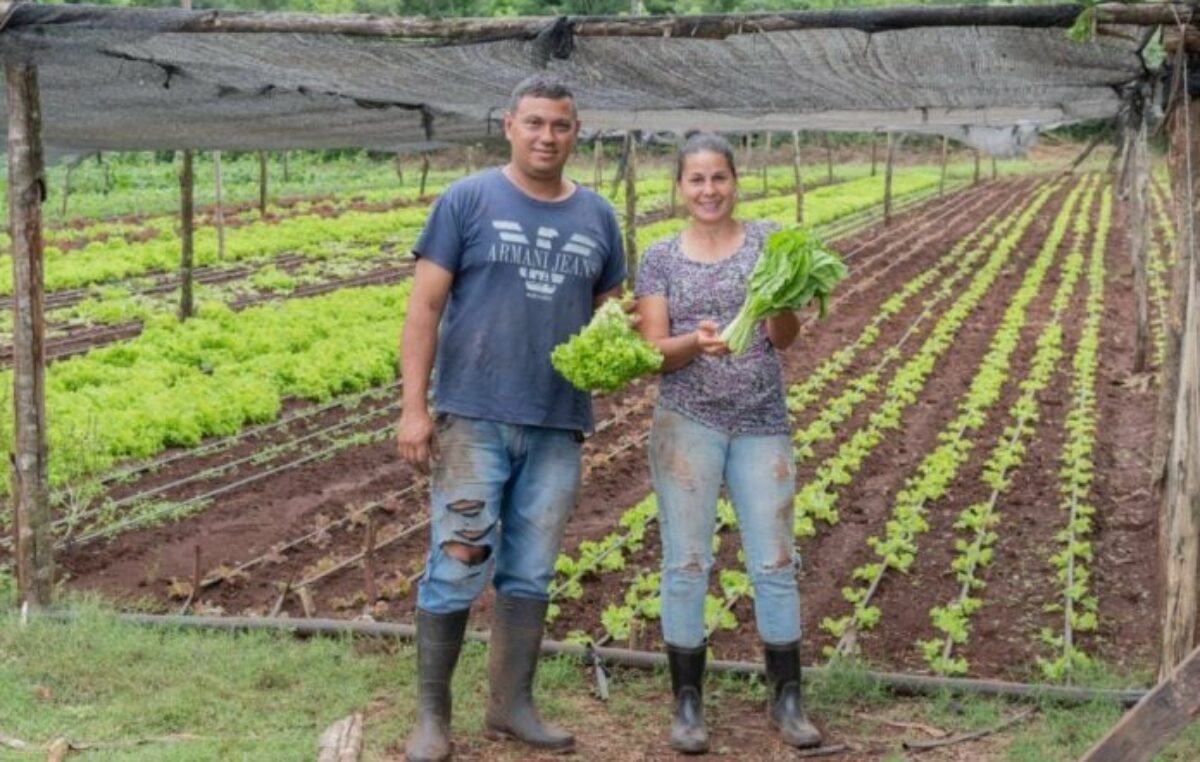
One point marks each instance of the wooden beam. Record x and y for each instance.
(1158, 718)
(631, 252)
(1135, 180)
(798, 177)
(874, 151)
(828, 158)
(26, 192)
(597, 163)
(1179, 408)
(424, 174)
(187, 235)
(706, 26)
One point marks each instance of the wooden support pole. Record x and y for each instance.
(1160, 716)
(887, 179)
(219, 205)
(597, 163)
(26, 192)
(994, 173)
(764, 151)
(187, 187)
(874, 151)
(287, 175)
(976, 180)
(942, 181)
(798, 176)
(424, 174)
(399, 165)
(828, 158)
(67, 189)
(262, 183)
(631, 258)
(1179, 408)
(1136, 180)
(470, 159)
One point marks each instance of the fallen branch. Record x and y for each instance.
(825, 751)
(342, 741)
(963, 738)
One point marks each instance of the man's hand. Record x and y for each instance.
(415, 439)
(708, 339)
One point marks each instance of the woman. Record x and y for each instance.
(720, 418)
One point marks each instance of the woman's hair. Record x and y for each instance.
(704, 142)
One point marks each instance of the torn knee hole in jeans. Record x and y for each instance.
(471, 555)
(466, 508)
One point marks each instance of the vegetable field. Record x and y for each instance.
(971, 443)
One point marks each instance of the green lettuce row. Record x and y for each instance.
(177, 383)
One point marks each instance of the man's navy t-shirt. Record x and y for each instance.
(525, 274)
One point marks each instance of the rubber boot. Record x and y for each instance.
(512, 661)
(439, 639)
(785, 705)
(688, 733)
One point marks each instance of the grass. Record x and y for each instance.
(256, 696)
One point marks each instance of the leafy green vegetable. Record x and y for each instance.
(607, 354)
(794, 268)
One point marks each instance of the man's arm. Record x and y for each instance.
(431, 286)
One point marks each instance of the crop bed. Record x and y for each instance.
(971, 468)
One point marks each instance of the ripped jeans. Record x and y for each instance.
(688, 462)
(507, 489)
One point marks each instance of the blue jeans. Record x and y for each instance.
(688, 462)
(506, 489)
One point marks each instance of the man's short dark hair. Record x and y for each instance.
(541, 86)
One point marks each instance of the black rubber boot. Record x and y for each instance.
(785, 705)
(439, 639)
(512, 661)
(688, 733)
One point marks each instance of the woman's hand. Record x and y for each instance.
(708, 339)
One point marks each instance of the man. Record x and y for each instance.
(518, 257)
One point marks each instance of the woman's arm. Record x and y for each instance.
(677, 351)
(782, 329)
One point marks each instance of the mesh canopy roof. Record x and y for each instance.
(118, 79)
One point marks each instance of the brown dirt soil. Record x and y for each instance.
(249, 522)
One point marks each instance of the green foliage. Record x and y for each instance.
(607, 354)
(794, 268)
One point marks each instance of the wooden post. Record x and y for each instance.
(887, 179)
(186, 234)
(470, 159)
(976, 180)
(874, 151)
(26, 192)
(287, 175)
(219, 205)
(799, 177)
(1136, 179)
(597, 163)
(631, 206)
(993, 167)
(1157, 719)
(828, 158)
(262, 183)
(942, 181)
(424, 174)
(1179, 409)
(763, 156)
(67, 188)
(399, 165)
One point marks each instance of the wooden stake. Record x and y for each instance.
(942, 181)
(26, 192)
(763, 152)
(1136, 180)
(399, 171)
(219, 206)
(976, 180)
(993, 167)
(597, 163)
(424, 174)
(631, 257)
(262, 183)
(186, 235)
(67, 189)
(874, 151)
(828, 158)
(1180, 522)
(470, 159)
(287, 175)
(798, 177)
(887, 179)
(369, 563)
